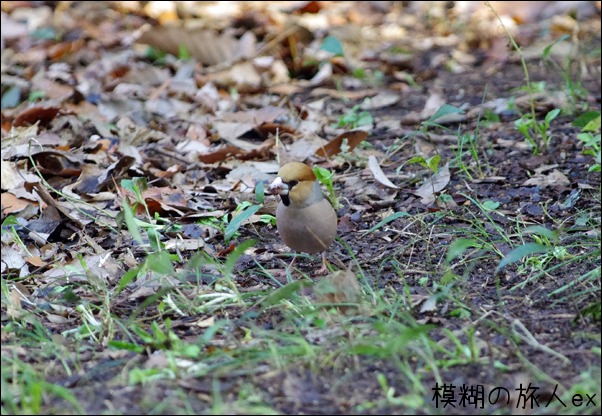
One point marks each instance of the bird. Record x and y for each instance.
(305, 219)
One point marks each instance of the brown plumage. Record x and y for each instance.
(305, 219)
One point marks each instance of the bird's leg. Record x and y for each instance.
(324, 268)
(286, 271)
(292, 262)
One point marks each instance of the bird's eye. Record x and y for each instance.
(292, 183)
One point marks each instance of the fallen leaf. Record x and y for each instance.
(205, 323)
(554, 178)
(35, 261)
(12, 205)
(342, 94)
(429, 305)
(300, 150)
(378, 173)
(380, 100)
(13, 307)
(434, 184)
(31, 116)
(53, 162)
(205, 46)
(333, 147)
(323, 75)
(338, 287)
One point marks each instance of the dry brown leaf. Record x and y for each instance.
(12, 259)
(206, 46)
(490, 179)
(257, 117)
(342, 94)
(434, 184)
(35, 261)
(324, 74)
(192, 244)
(554, 179)
(244, 76)
(378, 173)
(31, 116)
(52, 89)
(429, 305)
(13, 307)
(380, 100)
(12, 205)
(333, 147)
(338, 287)
(58, 163)
(432, 104)
(66, 210)
(12, 178)
(300, 150)
(205, 323)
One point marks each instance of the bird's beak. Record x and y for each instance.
(278, 187)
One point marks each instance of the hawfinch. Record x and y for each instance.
(305, 219)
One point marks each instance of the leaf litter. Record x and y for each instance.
(204, 103)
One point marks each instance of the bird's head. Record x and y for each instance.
(296, 184)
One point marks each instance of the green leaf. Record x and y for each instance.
(259, 192)
(444, 110)
(367, 349)
(160, 262)
(137, 186)
(459, 246)
(333, 45)
(284, 292)
(433, 163)
(585, 118)
(387, 220)
(236, 253)
(594, 310)
(129, 185)
(159, 336)
(130, 222)
(190, 350)
(128, 346)
(11, 98)
(127, 278)
(359, 73)
(552, 115)
(46, 32)
(364, 119)
(10, 220)
(548, 49)
(593, 125)
(237, 221)
(445, 198)
(35, 95)
(183, 53)
(323, 175)
(542, 231)
(519, 252)
(154, 239)
(490, 205)
(417, 159)
(142, 334)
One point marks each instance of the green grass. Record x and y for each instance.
(448, 296)
(381, 328)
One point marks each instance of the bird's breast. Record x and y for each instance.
(310, 229)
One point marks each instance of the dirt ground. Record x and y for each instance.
(527, 336)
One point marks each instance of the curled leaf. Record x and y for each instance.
(334, 146)
(378, 173)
